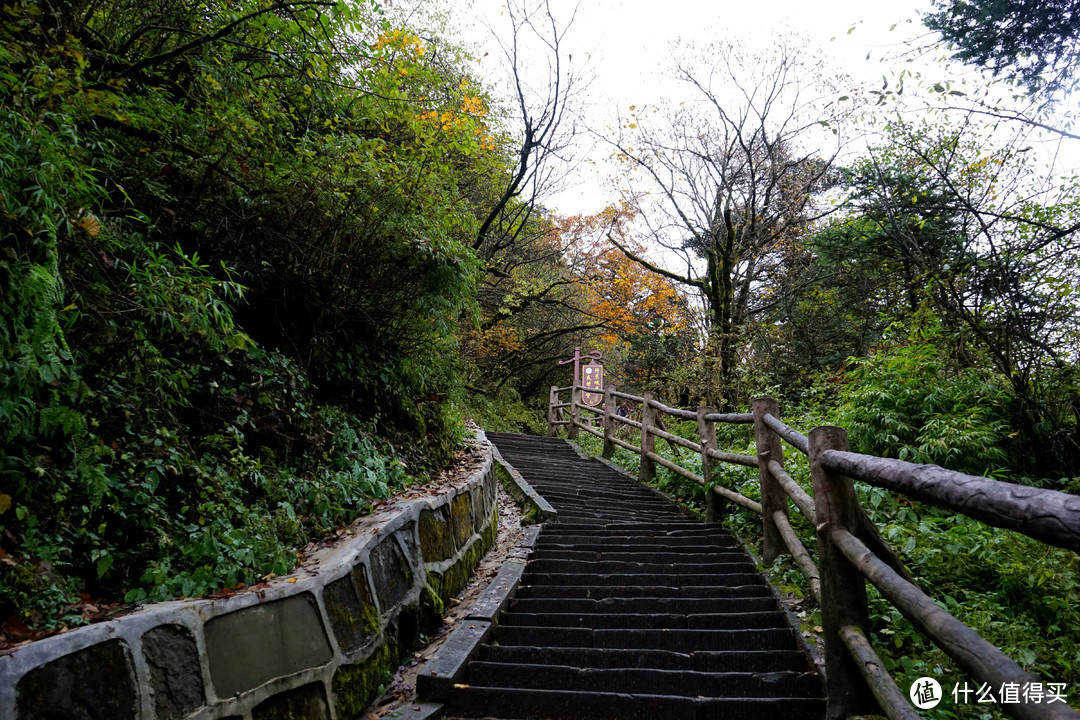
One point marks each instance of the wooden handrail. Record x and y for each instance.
(793, 436)
(804, 502)
(891, 699)
(672, 438)
(1049, 516)
(799, 553)
(975, 656)
(849, 547)
(624, 396)
(744, 418)
(674, 412)
(734, 458)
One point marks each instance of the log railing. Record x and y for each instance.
(849, 547)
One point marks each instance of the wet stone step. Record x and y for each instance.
(612, 567)
(570, 511)
(616, 535)
(674, 621)
(606, 579)
(676, 639)
(556, 491)
(622, 542)
(630, 608)
(613, 590)
(702, 661)
(643, 605)
(621, 680)
(532, 704)
(646, 554)
(670, 528)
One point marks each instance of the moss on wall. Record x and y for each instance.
(356, 686)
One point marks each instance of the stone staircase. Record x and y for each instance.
(630, 609)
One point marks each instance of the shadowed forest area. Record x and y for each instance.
(261, 260)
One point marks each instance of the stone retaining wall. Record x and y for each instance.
(316, 645)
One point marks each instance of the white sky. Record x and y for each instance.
(623, 45)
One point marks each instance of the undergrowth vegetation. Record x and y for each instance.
(234, 260)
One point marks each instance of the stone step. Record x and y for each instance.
(622, 567)
(652, 620)
(612, 590)
(660, 578)
(701, 661)
(624, 543)
(531, 704)
(644, 554)
(690, 683)
(643, 605)
(630, 608)
(670, 528)
(679, 640)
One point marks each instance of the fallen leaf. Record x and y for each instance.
(291, 580)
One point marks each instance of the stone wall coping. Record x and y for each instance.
(524, 492)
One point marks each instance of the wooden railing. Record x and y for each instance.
(850, 549)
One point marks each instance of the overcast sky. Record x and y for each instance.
(623, 46)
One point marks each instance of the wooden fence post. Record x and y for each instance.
(843, 589)
(647, 470)
(553, 400)
(610, 405)
(714, 504)
(773, 498)
(575, 411)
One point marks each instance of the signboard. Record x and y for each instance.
(592, 379)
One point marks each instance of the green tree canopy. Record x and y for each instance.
(1033, 42)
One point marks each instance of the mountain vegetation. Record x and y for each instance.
(259, 261)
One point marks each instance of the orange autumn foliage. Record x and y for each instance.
(628, 298)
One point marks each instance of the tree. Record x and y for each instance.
(728, 183)
(236, 240)
(1035, 43)
(991, 248)
(542, 116)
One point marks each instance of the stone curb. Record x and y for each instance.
(499, 592)
(417, 711)
(447, 667)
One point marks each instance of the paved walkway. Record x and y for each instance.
(631, 609)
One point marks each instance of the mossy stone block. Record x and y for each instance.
(392, 573)
(353, 615)
(356, 686)
(479, 508)
(175, 672)
(461, 518)
(307, 702)
(97, 683)
(436, 537)
(248, 647)
(491, 533)
(432, 610)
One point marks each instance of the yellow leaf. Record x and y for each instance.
(90, 224)
(5, 503)
(291, 580)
